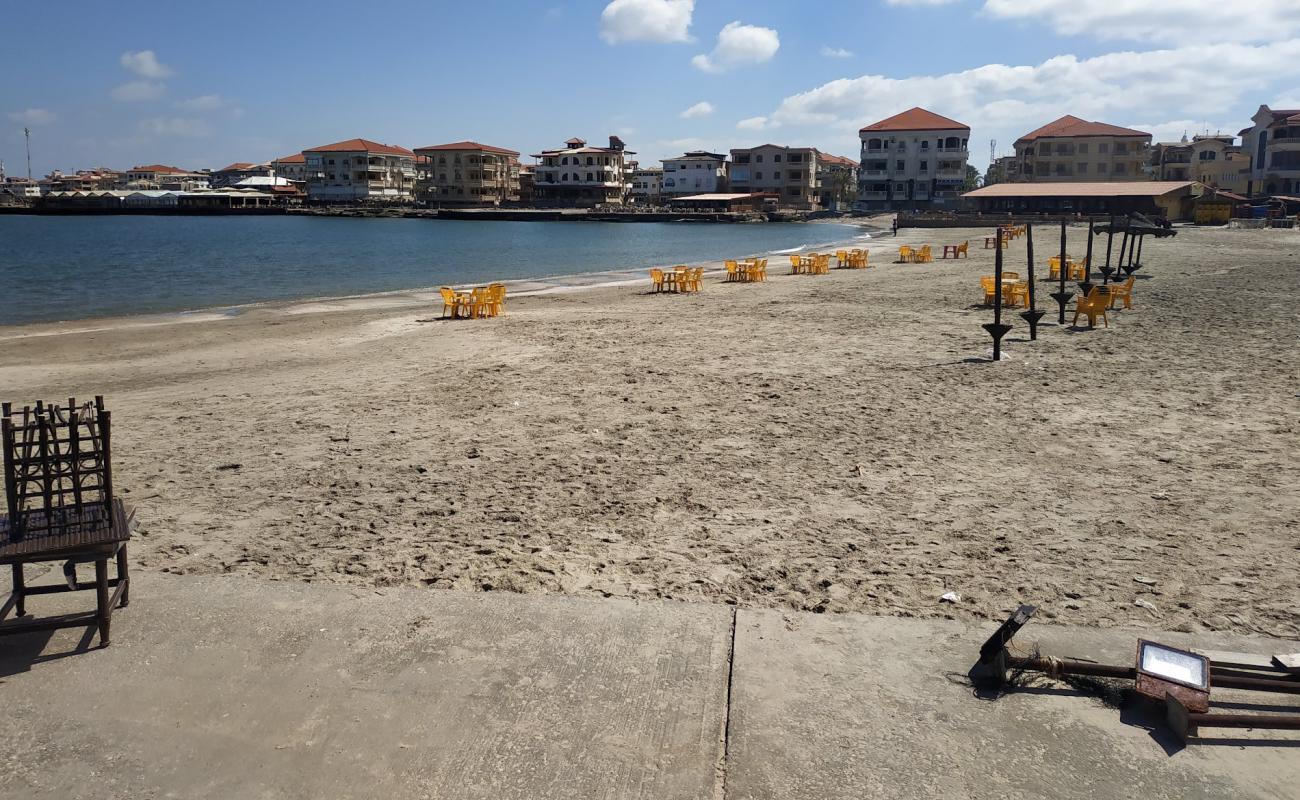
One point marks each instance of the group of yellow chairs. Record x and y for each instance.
(749, 270)
(1074, 270)
(852, 259)
(811, 264)
(919, 255)
(484, 301)
(1101, 299)
(681, 279)
(1014, 290)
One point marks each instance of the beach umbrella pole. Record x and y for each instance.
(1110, 240)
(996, 328)
(1061, 296)
(1085, 287)
(1033, 314)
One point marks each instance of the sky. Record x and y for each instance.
(205, 84)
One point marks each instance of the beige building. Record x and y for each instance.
(1273, 144)
(1212, 160)
(466, 173)
(292, 167)
(1072, 149)
(790, 172)
(578, 175)
(913, 160)
(359, 169)
(837, 181)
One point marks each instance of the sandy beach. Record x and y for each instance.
(828, 443)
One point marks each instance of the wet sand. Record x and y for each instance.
(825, 443)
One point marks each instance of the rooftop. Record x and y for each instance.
(1071, 126)
(841, 160)
(160, 168)
(468, 145)
(916, 119)
(296, 158)
(361, 146)
(1098, 189)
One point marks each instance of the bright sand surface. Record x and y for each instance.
(836, 442)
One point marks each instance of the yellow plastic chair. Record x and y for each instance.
(762, 269)
(453, 304)
(1012, 275)
(990, 287)
(1054, 267)
(1092, 306)
(695, 279)
(1078, 270)
(679, 278)
(796, 265)
(925, 256)
(657, 280)
(1123, 292)
(1019, 293)
(733, 271)
(905, 254)
(498, 298)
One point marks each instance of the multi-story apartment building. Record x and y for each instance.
(293, 168)
(466, 173)
(647, 184)
(234, 173)
(1213, 160)
(578, 175)
(913, 160)
(359, 169)
(837, 181)
(161, 176)
(1273, 144)
(1075, 150)
(695, 172)
(790, 172)
(1004, 169)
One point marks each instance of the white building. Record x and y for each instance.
(578, 175)
(359, 169)
(695, 172)
(916, 159)
(1273, 144)
(647, 184)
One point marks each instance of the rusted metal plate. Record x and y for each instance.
(1159, 689)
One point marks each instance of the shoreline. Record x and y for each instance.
(392, 299)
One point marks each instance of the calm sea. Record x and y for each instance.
(58, 268)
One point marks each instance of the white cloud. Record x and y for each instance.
(33, 116)
(700, 109)
(1004, 102)
(1158, 20)
(136, 91)
(647, 21)
(182, 127)
(145, 64)
(752, 124)
(206, 102)
(739, 44)
(836, 52)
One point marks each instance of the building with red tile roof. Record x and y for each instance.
(466, 174)
(579, 175)
(913, 160)
(1071, 149)
(359, 170)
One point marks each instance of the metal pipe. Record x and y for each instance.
(1066, 666)
(1217, 720)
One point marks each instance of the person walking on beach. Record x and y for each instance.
(895, 225)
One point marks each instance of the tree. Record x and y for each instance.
(973, 178)
(843, 189)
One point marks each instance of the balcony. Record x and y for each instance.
(873, 173)
(873, 195)
(950, 174)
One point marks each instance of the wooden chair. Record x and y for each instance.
(1092, 306)
(59, 495)
(1122, 291)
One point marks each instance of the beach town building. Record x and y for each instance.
(787, 173)
(1215, 161)
(236, 172)
(912, 160)
(647, 184)
(83, 180)
(837, 180)
(1173, 200)
(1004, 169)
(579, 175)
(466, 173)
(1074, 149)
(293, 167)
(695, 172)
(1273, 144)
(527, 180)
(359, 170)
(162, 176)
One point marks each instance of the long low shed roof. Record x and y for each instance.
(725, 196)
(1101, 189)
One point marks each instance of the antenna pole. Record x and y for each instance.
(27, 134)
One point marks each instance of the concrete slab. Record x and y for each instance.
(233, 688)
(848, 706)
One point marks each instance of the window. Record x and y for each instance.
(925, 144)
(792, 191)
(776, 159)
(1081, 168)
(1101, 168)
(899, 166)
(758, 176)
(1121, 148)
(900, 188)
(589, 178)
(776, 176)
(795, 158)
(1120, 169)
(1103, 147)
(758, 159)
(742, 159)
(873, 144)
(1044, 148)
(925, 166)
(589, 163)
(565, 161)
(796, 175)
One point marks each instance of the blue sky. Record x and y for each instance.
(205, 84)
